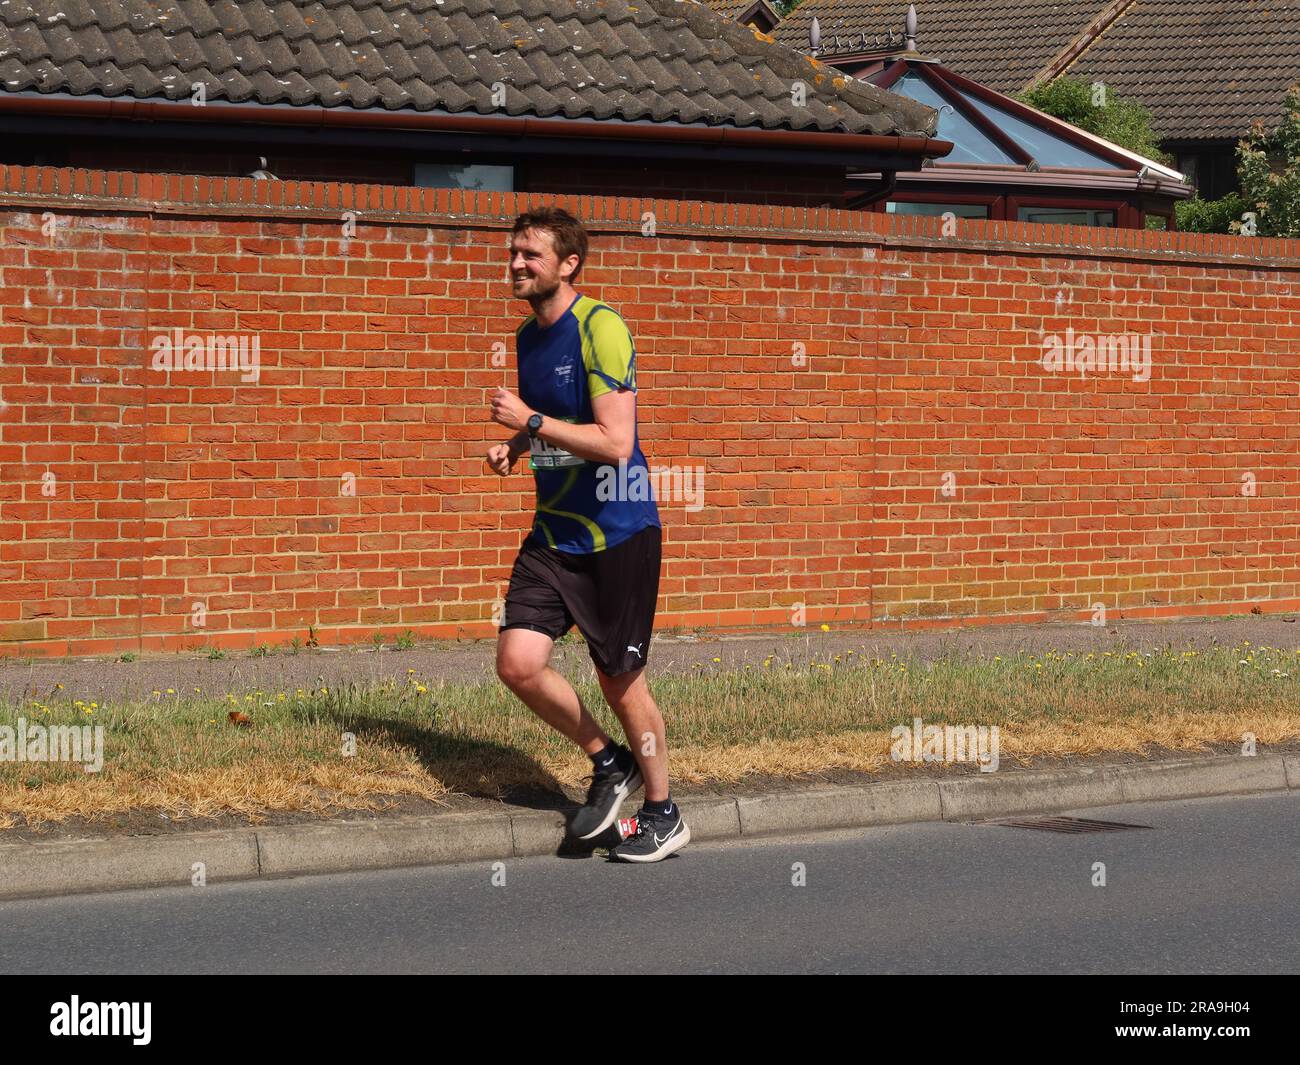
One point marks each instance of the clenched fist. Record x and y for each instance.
(500, 459)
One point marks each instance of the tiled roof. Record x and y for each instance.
(1204, 68)
(735, 8)
(999, 43)
(656, 60)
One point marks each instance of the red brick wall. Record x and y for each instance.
(826, 369)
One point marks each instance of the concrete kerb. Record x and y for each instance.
(30, 870)
(1292, 762)
(821, 809)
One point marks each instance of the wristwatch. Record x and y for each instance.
(534, 425)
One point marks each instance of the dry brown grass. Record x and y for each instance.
(181, 757)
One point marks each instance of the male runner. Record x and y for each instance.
(591, 558)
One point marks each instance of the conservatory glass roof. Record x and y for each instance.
(985, 129)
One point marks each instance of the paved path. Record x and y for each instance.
(109, 679)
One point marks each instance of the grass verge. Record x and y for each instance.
(325, 750)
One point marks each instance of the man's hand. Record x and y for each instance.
(501, 459)
(509, 410)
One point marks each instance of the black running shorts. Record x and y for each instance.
(610, 595)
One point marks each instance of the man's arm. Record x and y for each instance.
(518, 444)
(608, 439)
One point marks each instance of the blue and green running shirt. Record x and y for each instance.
(581, 508)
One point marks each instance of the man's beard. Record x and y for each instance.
(541, 295)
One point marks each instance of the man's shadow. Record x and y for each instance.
(484, 769)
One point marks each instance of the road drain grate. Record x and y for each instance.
(1061, 824)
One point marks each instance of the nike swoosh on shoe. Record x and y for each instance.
(676, 828)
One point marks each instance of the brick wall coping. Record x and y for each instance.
(300, 201)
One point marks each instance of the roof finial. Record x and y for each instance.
(815, 35)
(911, 27)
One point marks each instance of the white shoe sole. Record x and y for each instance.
(671, 847)
(632, 785)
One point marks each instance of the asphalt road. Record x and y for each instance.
(1212, 887)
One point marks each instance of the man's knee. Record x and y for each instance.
(522, 657)
(518, 671)
(619, 689)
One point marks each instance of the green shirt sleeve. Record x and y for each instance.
(608, 352)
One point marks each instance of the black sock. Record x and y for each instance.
(663, 809)
(607, 758)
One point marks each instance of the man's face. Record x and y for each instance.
(535, 269)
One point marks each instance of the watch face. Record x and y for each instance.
(534, 423)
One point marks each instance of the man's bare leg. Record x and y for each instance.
(629, 697)
(523, 664)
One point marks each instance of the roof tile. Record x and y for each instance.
(1206, 69)
(669, 60)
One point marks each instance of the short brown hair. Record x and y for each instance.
(567, 233)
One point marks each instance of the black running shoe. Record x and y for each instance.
(608, 790)
(656, 837)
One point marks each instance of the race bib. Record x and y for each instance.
(546, 456)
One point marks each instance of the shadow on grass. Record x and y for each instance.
(480, 768)
(483, 769)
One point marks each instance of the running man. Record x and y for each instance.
(591, 558)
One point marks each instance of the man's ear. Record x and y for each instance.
(576, 263)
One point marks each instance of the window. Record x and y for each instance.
(961, 210)
(1067, 216)
(465, 176)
